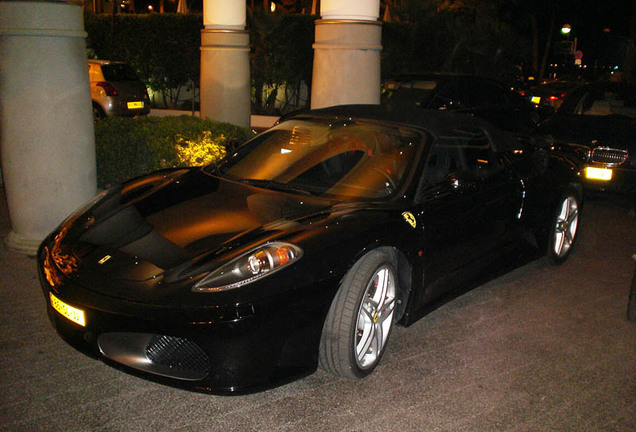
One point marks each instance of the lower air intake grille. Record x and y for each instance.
(609, 155)
(177, 353)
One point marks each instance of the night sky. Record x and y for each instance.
(602, 27)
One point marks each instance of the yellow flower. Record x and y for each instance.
(202, 151)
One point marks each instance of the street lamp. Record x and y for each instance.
(566, 29)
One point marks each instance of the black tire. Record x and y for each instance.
(631, 303)
(564, 228)
(98, 112)
(360, 319)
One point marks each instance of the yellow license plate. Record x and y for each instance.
(68, 311)
(135, 105)
(598, 173)
(536, 99)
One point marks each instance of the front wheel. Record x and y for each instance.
(564, 228)
(360, 319)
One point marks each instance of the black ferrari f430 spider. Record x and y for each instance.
(303, 247)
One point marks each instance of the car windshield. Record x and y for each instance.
(613, 98)
(411, 93)
(342, 159)
(119, 72)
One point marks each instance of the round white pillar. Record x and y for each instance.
(225, 86)
(347, 50)
(47, 135)
(225, 14)
(366, 10)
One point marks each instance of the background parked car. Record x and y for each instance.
(116, 90)
(550, 94)
(598, 122)
(469, 94)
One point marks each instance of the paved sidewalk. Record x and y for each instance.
(539, 349)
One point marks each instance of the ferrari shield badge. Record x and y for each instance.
(409, 218)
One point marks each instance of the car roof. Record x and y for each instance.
(103, 62)
(432, 120)
(435, 76)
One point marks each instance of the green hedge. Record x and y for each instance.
(163, 48)
(129, 147)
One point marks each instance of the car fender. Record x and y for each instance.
(387, 231)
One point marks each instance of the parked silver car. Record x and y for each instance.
(116, 90)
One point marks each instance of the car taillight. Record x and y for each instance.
(108, 88)
(554, 97)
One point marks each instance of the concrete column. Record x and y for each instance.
(347, 54)
(46, 127)
(225, 63)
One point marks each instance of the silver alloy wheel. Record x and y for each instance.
(375, 318)
(565, 226)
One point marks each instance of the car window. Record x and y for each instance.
(409, 97)
(479, 156)
(443, 160)
(465, 151)
(119, 72)
(415, 93)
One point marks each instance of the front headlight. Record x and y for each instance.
(254, 265)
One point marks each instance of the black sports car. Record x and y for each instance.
(468, 94)
(303, 247)
(598, 122)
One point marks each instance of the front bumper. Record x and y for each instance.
(223, 349)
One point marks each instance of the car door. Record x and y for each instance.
(467, 202)
(495, 189)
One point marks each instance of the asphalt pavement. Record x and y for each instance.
(539, 349)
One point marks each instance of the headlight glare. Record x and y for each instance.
(247, 268)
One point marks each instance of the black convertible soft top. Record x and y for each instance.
(435, 122)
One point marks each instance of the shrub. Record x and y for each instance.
(202, 151)
(129, 147)
(163, 48)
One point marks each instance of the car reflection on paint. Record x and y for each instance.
(304, 247)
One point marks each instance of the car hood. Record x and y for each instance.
(164, 221)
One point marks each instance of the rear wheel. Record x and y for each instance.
(360, 319)
(98, 112)
(564, 228)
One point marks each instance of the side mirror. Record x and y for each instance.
(232, 145)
